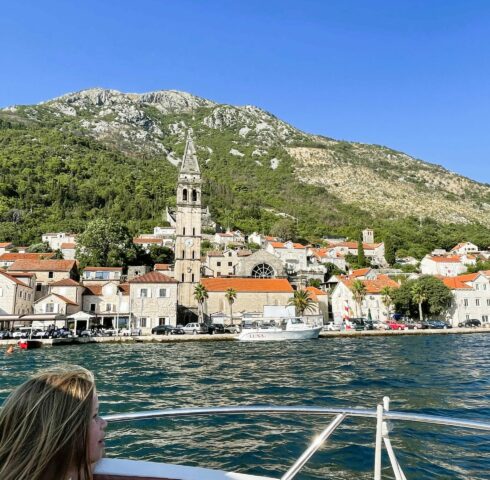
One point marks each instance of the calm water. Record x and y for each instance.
(441, 374)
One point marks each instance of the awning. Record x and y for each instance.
(43, 317)
(4, 318)
(81, 316)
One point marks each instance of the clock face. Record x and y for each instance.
(189, 242)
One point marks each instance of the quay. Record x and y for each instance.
(48, 342)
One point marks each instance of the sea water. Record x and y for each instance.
(440, 375)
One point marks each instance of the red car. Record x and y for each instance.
(396, 325)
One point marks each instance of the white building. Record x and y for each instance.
(229, 238)
(54, 240)
(153, 301)
(449, 266)
(101, 274)
(343, 298)
(471, 298)
(464, 248)
(16, 294)
(293, 255)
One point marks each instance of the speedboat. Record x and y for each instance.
(121, 469)
(292, 328)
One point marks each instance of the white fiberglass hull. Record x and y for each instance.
(115, 469)
(268, 334)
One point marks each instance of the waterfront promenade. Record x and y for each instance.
(232, 337)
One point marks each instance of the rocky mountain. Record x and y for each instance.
(242, 147)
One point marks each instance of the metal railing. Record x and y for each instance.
(382, 414)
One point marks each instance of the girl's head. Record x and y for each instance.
(49, 427)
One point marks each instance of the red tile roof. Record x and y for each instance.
(283, 245)
(360, 272)
(147, 240)
(372, 286)
(314, 292)
(162, 266)
(449, 259)
(125, 288)
(102, 269)
(153, 277)
(43, 265)
(93, 290)
(13, 279)
(468, 277)
(5, 244)
(454, 283)
(68, 246)
(66, 300)
(247, 284)
(65, 282)
(12, 257)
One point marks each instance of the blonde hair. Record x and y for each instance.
(44, 427)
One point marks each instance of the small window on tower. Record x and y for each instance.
(183, 230)
(183, 253)
(194, 195)
(193, 232)
(182, 277)
(192, 278)
(193, 254)
(184, 194)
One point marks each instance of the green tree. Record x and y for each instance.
(387, 294)
(361, 257)
(390, 250)
(39, 248)
(302, 301)
(286, 229)
(314, 282)
(230, 296)
(161, 254)
(58, 255)
(200, 294)
(358, 292)
(419, 296)
(105, 243)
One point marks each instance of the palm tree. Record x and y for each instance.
(387, 298)
(359, 292)
(302, 301)
(419, 295)
(200, 294)
(230, 295)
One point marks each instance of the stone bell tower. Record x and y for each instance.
(188, 227)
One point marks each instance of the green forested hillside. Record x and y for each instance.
(56, 174)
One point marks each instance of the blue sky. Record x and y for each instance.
(412, 75)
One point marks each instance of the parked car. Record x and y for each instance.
(358, 324)
(61, 333)
(167, 330)
(397, 325)
(472, 322)
(195, 328)
(41, 334)
(438, 324)
(4, 334)
(412, 324)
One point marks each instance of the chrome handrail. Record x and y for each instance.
(279, 410)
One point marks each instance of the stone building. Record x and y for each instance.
(260, 264)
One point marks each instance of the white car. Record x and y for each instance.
(332, 327)
(193, 328)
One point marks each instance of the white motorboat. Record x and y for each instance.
(292, 328)
(121, 469)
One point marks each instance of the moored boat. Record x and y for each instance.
(29, 343)
(292, 328)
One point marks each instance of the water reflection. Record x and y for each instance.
(435, 374)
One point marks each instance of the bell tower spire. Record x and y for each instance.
(188, 226)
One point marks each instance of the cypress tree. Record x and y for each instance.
(390, 251)
(361, 258)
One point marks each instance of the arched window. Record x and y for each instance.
(262, 270)
(184, 194)
(194, 195)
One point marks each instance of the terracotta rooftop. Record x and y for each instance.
(162, 266)
(5, 244)
(13, 279)
(147, 240)
(12, 257)
(93, 290)
(454, 283)
(68, 245)
(65, 282)
(153, 277)
(449, 259)
(372, 286)
(66, 300)
(314, 292)
(247, 284)
(43, 265)
(360, 272)
(102, 269)
(283, 245)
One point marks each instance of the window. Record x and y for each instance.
(184, 194)
(101, 275)
(143, 292)
(183, 230)
(467, 317)
(183, 253)
(484, 318)
(465, 302)
(230, 264)
(92, 307)
(477, 302)
(192, 278)
(162, 320)
(49, 307)
(20, 294)
(193, 254)
(219, 274)
(50, 274)
(477, 286)
(108, 307)
(162, 292)
(488, 302)
(143, 322)
(182, 277)
(218, 264)
(194, 195)
(484, 286)
(193, 232)
(38, 287)
(262, 271)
